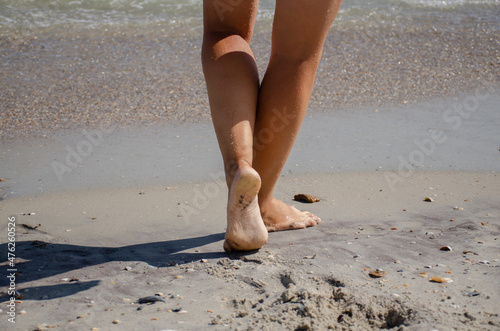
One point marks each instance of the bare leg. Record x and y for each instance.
(299, 30)
(258, 127)
(233, 85)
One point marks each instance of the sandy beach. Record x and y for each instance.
(112, 191)
(86, 258)
(123, 224)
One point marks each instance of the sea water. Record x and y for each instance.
(29, 15)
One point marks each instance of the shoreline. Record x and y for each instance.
(438, 135)
(93, 79)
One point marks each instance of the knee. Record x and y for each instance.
(229, 17)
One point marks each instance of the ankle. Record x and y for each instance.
(265, 203)
(232, 168)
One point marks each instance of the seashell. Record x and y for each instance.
(306, 198)
(424, 274)
(377, 273)
(445, 248)
(441, 280)
(428, 199)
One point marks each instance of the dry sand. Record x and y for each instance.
(95, 253)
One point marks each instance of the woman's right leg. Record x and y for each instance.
(299, 31)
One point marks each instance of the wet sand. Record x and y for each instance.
(123, 77)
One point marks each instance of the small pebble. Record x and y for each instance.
(484, 262)
(377, 274)
(150, 299)
(128, 268)
(440, 280)
(357, 256)
(204, 260)
(428, 199)
(116, 321)
(445, 248)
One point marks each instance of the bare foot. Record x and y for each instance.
(279, 216)
(245, 228)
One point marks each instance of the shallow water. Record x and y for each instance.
(97, 14)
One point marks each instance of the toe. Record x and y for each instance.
(312, 219)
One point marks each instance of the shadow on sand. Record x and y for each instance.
(42, 259)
